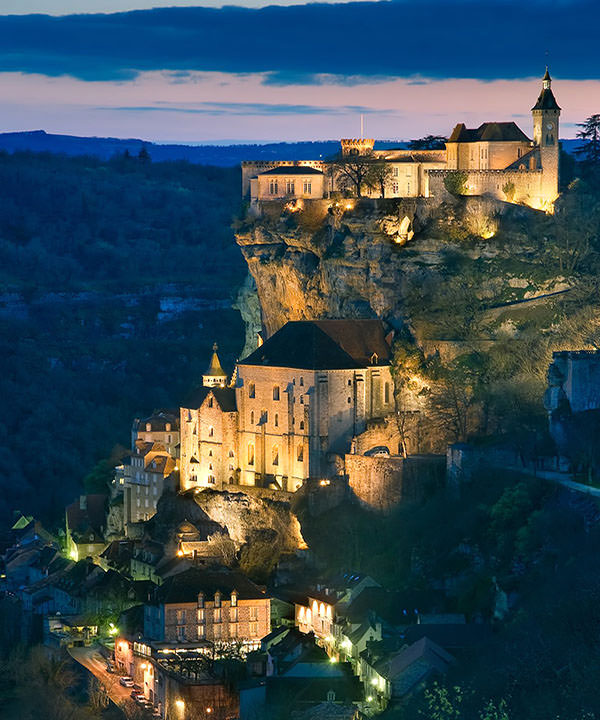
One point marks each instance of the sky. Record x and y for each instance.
(284, 73)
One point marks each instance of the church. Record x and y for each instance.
(291, 408)
(496, 159)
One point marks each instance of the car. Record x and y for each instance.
(126, 681)
(156, 713)
(137, 688)
(378, 451)
(140, 699)
(135, 694)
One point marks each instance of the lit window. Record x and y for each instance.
(211, 432)
(300, 454)
(275, 455)
(307, 187)
(276, 420)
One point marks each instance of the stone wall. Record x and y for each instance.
(383, 483)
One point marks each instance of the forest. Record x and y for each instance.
(115, 279)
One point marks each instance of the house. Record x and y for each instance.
(207, 606)
(161, 427)
(85, 524)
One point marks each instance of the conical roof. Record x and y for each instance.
(215, 369)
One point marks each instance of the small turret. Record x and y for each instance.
(215, 376)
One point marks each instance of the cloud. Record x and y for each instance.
(246, 109)
(314, 43)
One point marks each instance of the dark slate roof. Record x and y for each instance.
(546, 101)
(292, 170)
(225, 398)
(323, 345)
(490, 131)
(451, 637)
(184, 587)
(158, 421)
(91, 518)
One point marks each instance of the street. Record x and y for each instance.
(91, 659)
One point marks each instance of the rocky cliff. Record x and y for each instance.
(388, 258)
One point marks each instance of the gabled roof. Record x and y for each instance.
(488, 132)
(292, 170)
(225, 398)
(90, 518)
(424, 655)
(158, 421)
(324, 345)
(185, 586)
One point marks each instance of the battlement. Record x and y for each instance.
(357, 146)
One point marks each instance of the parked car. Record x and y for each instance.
(135, 694)
(140, 700)
(126, 681)
(137, 688)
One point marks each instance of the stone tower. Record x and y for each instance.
(546, 113)
(215, 376)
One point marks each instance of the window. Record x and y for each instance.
(276, 420)
(168, 427)
(233, 599)
(252, 418)
(210, 453)
(201, 616)
(181, 633)
(210, 467)
(330, 696)
(233, 629)
(395, 172)
(233, 614)
(386, 393)
(301, 424)
(276, 392)
(180, 617)
(217, 615)
(275, 453)
(264, 416)
(212, 480)
(253, 629)
(217, 631)
(273, 189)
(200, 600)
(301, 381)
(148, 427)
(217, 599)
(394, 187)
(210, 402)
(250, 453)
(251, 390)
(307, 187)
(300, 453)
(349, 383)
(290, 187)
(201, 632)
(253, 613)
(230, 453)
(211, 432)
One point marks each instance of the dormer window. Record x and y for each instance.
(374, 359)
(200, 600)
(217, 599)
(168, 427)
(148, 427)
(234, 599)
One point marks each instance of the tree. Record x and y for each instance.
(429, 142)
(589, 150)
(379, 175)
(455, 182)
(351, 172)
(144, 155)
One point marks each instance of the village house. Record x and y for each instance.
(85, 525)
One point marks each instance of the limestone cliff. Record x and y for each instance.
(367, 259)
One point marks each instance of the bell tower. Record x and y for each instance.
(546, 114)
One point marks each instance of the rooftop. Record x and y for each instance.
(186, 586)
(292, 170)
(324, 345)
(489, 132)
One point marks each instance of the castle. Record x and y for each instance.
(291, 408)
(496, 159)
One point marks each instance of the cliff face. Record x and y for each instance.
(372, 259)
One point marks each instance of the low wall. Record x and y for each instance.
(383, 483)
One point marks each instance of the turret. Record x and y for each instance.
(215, 376)
(546, 113)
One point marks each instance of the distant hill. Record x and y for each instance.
(218, 155)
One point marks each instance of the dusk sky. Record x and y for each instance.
(191, 74)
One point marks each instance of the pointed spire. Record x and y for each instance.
(547, 80)
(215, 375)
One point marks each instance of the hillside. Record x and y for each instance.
(115, 280)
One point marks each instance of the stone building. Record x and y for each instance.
(160, 427)
(298, 401)
(207, 606)
(144, 475)
(497, 159)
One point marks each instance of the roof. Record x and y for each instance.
(225, 398)
(424, 654)
(525, 159)
(451, 637)
(215, 368)
(90, 518)
(186, 586)
(323, 345)
(158, 421)
(490, 132)
(546, 101)
(292, 170)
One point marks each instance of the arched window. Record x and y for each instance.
(276, 392)
(275, 454)
(211, 432)
(250, 453)
(251, 390)
(301, 424)
(252, 418)
(301, 381)
(300, 453)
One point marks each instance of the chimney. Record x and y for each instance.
(83, 502)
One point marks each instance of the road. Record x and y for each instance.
(91, 659)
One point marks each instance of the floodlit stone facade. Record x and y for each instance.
(495, 159)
